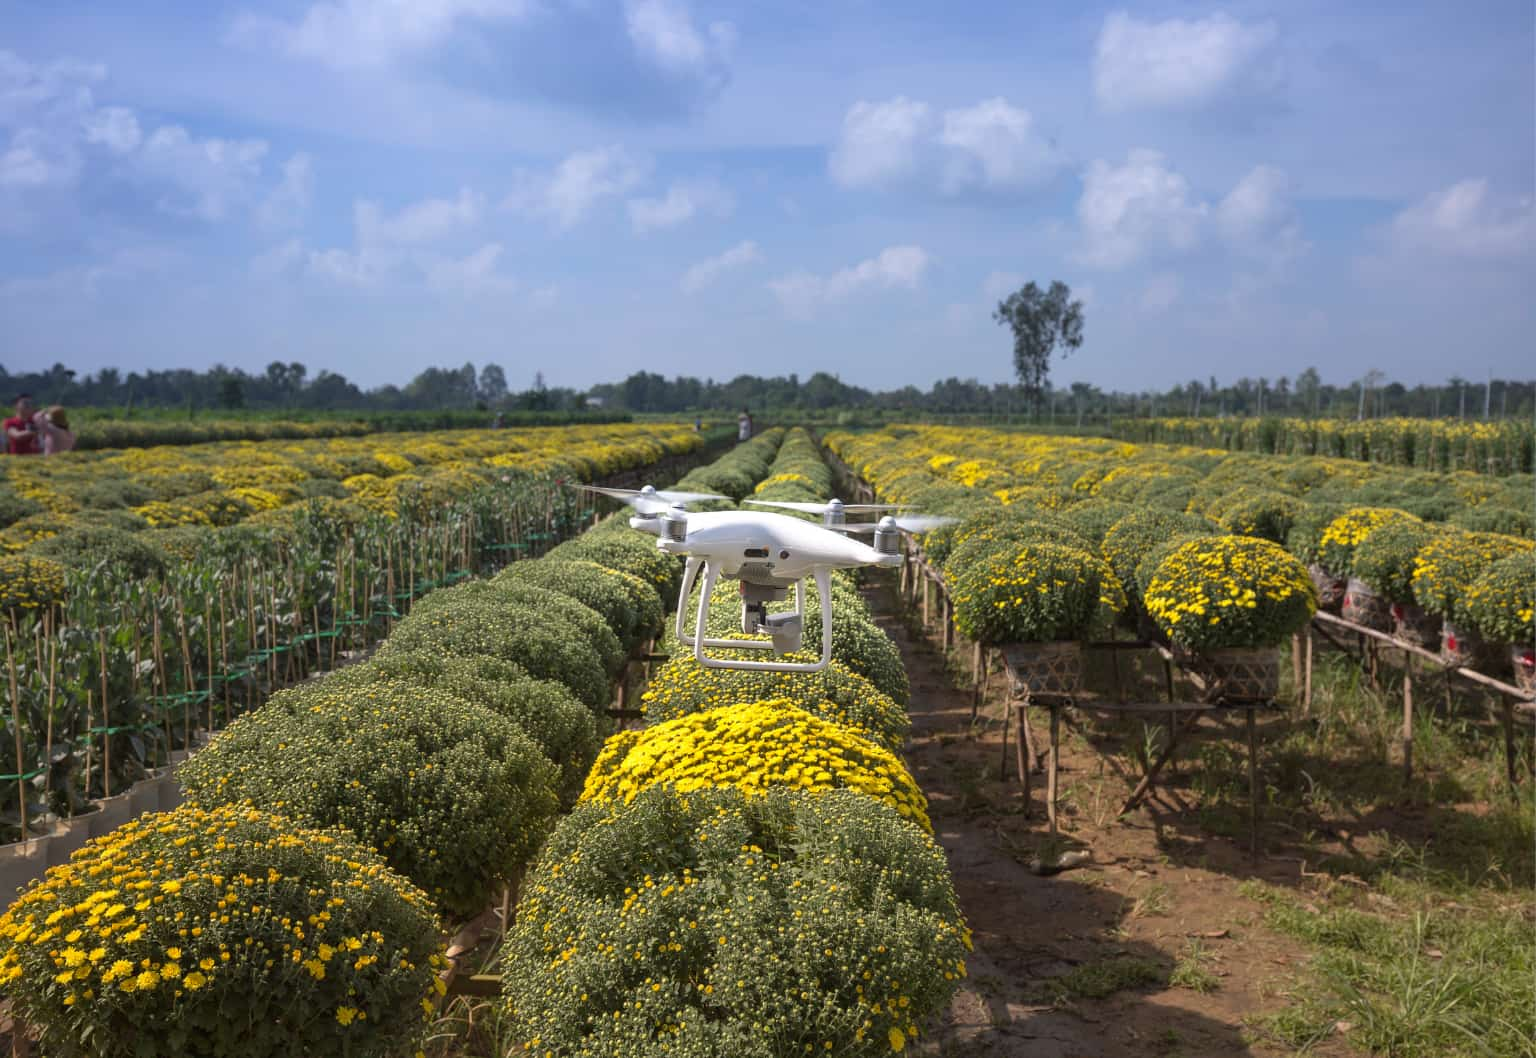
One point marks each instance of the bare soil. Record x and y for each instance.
(1154, 886)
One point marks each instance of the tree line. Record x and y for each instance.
(292, 386)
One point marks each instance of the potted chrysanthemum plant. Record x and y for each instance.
(1227, 603)
(1045, 596)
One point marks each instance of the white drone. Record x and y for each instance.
(769, 554)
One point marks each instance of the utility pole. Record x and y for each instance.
(1488, 394)
(1360, 415)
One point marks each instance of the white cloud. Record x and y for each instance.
(422, 222)
(662, 31)
(286, 204)
(1464, 220)
(993, 146)
(1129, 210)
(1174, 63)
(1258, 219)
(707, 271)
(31, 161)
(209, 176)
(1161, 291)
(682, 202)
(896, 266)
(879, 142)
(472, 274)
(114, 127)
(350, 34)
(577, 184)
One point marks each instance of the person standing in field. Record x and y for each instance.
(21, 437)
(744, 426)
(53, 427)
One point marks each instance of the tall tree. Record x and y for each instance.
(493, 384)
(1041, 320)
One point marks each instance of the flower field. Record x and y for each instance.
(1501, 447)
(1218, 549)
(790, 902)
(150, 595)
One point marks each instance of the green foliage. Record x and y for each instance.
(564, 729)
(1447, 566)
(1092, 519)
(715, 923)
(92, 547)
(1133, 537)
(547, 647)
(1490, 518)
(456, 797)
(1033, 593)
(1230, 591)
(1257, 512)
(1385, 558)
(1502, 601)
(610, 593)
(302, 943)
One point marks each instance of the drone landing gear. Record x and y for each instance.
(785, 629)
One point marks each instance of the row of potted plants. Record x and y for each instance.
(297, 904)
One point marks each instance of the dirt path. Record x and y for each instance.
(1045, 946)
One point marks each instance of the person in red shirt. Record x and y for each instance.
(20, 433)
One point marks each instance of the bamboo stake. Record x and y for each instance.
(10, 658)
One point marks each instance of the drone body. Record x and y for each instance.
(768, 554)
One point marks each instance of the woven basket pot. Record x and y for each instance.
(1047, 668)
(1413, 624)
(1239, 674)
(1523, 658)
(1330, 589)
(1364, 607)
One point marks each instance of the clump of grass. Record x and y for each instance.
(1436, 984)
(1192, 970)
(1105, 977)
(1153, 901)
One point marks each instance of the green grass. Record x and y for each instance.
(1105, 977)
(1192, 970)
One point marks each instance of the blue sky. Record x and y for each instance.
(591, 187)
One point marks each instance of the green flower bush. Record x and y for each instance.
(1092, 519)
(1033, 593)
(564, 729)
(545, 646)
(717, 923)
(836, 693)
(1340, 538)
(89, 547)
(1385, 558)
(624, 602)
(1501, 603)
(30, 583)
(1257, 512)
(1130, 539)
(454, 796)
(1305, 540)
(1230, 591)
(1146, 569)
(489, 598)
(612, 543)
(1490, 518)
(1447, 566)
(231, 933)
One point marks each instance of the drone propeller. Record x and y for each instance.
(907, 523)
(830, 505)
(650, 500)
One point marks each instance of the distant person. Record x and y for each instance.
(52, 426)
(21, 437)
(698, 424)
(501, 421)
(744, 426)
